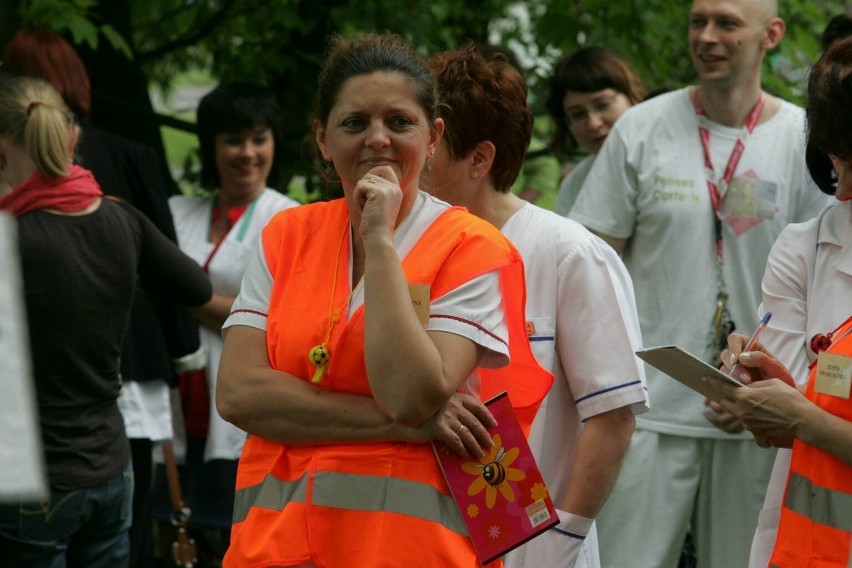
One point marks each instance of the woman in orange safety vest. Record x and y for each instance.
(815, 527)
(816, 517)
(358, 321)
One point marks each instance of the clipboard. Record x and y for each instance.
(685, 368)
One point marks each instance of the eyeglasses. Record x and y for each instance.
(600, 107)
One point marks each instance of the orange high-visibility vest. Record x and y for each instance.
(381, 504)
(816, 517)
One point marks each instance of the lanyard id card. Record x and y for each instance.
(717, 187)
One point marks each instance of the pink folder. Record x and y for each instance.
(501, 496)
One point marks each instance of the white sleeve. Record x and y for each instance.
(785, 289)
(475, 310)
(251, 307)
(598, 331)
(606, 203)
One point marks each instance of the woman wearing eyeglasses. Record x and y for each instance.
(589, 91)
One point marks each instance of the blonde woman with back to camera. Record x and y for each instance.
(81, 255)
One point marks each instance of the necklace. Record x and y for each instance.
(822, 341)
(320, 355)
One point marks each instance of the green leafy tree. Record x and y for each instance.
(281, 44)
(652, 34)
(129, 44)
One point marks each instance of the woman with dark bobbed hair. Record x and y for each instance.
(239, 131)
(589, 90)
(801, 371)
(238, 108)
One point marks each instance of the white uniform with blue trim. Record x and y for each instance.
(582, 317)
(192, 223)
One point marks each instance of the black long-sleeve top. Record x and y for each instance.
(80, 274)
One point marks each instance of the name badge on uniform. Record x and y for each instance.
(834, 375)
(420, 300)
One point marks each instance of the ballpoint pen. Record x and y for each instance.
(760, 328)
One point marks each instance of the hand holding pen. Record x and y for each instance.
(751, 342)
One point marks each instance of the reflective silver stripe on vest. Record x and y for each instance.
(271, 493)
(819, 504)
(355, 492)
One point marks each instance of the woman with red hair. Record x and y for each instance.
(581, 315)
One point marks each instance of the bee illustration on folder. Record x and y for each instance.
(493, 471)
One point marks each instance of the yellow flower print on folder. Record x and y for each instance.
(492, 473)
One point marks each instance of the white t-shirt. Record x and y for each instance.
(648, 185)
(569, 189)
(192, 223)
(808, 288)
(585, 331)
(476, 306)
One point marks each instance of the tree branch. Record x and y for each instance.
(200, 33)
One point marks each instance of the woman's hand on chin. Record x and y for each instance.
(378, 198)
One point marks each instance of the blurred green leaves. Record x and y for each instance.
(74, 17)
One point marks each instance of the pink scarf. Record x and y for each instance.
(69, 194)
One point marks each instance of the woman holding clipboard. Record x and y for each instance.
(807, 286)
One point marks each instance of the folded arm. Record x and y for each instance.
(282, 408)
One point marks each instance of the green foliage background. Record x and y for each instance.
(281, 42)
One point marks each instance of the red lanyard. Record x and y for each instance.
(233, 214)
(206, 267)
(715, 186)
